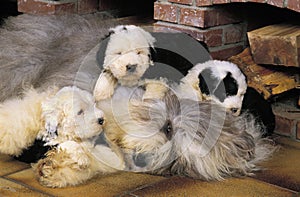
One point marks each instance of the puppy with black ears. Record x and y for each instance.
(127, 57)
(224, 83)
(220, 81)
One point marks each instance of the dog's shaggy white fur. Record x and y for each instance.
(67, 118)
(127, 57)
(220, 81)
(169, 135)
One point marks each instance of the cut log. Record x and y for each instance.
(266, 81)
(276, 44)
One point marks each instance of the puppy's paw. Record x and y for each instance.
(155, 89)
(46, 172)
(105, 86)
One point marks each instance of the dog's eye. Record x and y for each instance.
(119, 53)
(168, 130)
(100, 121)
(80, 112)
(140, 52)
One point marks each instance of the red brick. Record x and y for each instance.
(206, 17)
(220, 1)
(201, 3)
(240, 1)
(87, 6)
(223, 53)
(44, 8)
(277, 3)
(283, 125)
(234, 33)
(165, 12)
(211, 37)
(192, 17)
(294, 5)
(187, 2)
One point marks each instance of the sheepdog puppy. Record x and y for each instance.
(170, 135)
(127, 57)
(46, 115)
(224, 83)
(69, 122)
(220, 81)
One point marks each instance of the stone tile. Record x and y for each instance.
(177, 186)
(11, 189)
(284, 167)
(8, 165)
(108, 185)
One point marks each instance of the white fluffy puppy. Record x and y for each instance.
(67, 114)
(127, 57)
(220, 81)
(67, 118)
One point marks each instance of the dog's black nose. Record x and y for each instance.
(100, 121)
(131, 67)
(234, 110)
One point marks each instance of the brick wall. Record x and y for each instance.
(219, 26)
(117, 7)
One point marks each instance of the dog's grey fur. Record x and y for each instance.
(203, 141)
(42, 51)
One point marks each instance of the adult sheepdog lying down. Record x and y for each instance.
(127, 57)
(67, 119)
(170, 135)
(42, 51)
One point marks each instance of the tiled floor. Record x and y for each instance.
(281, 177)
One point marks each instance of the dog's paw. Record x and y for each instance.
(47, 174)
(155, 89)
(105, 86)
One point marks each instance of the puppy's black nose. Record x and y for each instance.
(131, 67)
(100, 121)
(234, 110)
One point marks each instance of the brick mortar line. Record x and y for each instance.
(226, 46)
(198, 29)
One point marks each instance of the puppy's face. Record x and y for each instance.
(72, 115)
(221, 82)
(128, 53)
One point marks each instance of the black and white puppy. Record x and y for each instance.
(224, 83)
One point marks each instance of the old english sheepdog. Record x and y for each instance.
(170, 135)
(224, 83)
(69, 123)
(127, 57)
(220, 81)
(43, 51)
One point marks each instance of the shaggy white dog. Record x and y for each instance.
(219, 81)
(127, 57)
(68, 119)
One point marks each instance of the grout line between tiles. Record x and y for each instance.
(130, 192)
(27, 186)
(277, 186)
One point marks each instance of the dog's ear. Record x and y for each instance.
(105, 85)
